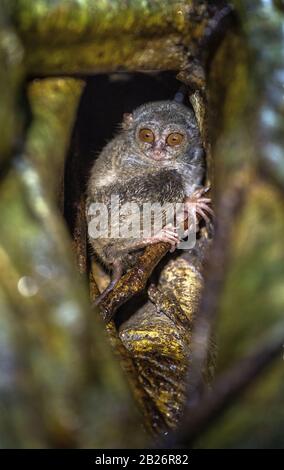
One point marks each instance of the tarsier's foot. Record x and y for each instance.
(168, 234)
(199, 203)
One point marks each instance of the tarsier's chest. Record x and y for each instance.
(159, 187)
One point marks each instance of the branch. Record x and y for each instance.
(134, 281)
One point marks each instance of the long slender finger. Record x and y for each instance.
(203, 215)
(174, 239)
(197, 194)
(207, 209)
(206, 189)
(205, 199)
(171, 233)
(168, 240)
(170, 227)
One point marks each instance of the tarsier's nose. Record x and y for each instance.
(158, 151)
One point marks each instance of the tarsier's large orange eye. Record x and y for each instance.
(146, 135)
(174, 139)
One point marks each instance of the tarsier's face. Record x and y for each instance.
(161, 132)
(161, 143)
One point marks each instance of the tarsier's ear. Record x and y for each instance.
(127, 120)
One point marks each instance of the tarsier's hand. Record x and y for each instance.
(200, 204)
(169, 235)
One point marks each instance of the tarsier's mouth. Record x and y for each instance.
(158, 155)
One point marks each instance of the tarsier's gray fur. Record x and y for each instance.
(124, 168)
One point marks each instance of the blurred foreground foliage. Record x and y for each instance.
(60, 383)
(252, 303)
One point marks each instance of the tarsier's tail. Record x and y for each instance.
(116, 275)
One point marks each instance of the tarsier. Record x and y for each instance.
(157, 157)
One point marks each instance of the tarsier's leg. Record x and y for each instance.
(167, 234)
